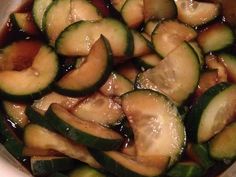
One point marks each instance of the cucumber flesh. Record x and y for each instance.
(86, 171)
(222, 146)
(169, 34)
(197, 13)
(80, 131)
(80, 81)
(170, 78)
(156, 123)
(212, 112)
(50, 140)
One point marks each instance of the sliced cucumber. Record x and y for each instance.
(156, 123)
(91, 75)
(212, 112)
(118, 4)
(49, 140)
(42, 69)
(79, 37)
(116, 85)
(62, 13)
(147, 61)
(24, 22)
(141, 45)
(48, 165)
(123, 165)
(86, 171)
(199, 53)
(196, 13)
(170, 34)
(132, 13)
(223, 146)
(186, 169)
(38, 10)
(43, 103)
(200, 154)
(229, 62)
(170, 77)
(16, 113)
(10, 140)
(159, 9)
(216, 37)
(100, 109)
(80, 131)
(150, 26)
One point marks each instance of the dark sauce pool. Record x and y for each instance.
(10, 34)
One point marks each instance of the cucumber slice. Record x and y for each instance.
(216, 37)
(123, 165)
(43, 103)
(132, 13)
(80, 81)
(62, 13)
(212, 112)
(47, 165)
(170, 34)
(170, 78)
(38, 10)
(10, 140)
(86, 171)
(200, 154)
(100, 109)
(78, 38)
(41, 69)
(141, 45)
(47, 139)
(150, 26)
(118, 4)
(147, 61)
(80, 131)
(186, 169)
(229, 62)
(223, 146)
(156, 123)
(159, 9)
(199, 52)
(16, 113)
(116, 85)
(196, 13)
(24, 23)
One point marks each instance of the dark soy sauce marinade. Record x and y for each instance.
(228, 15)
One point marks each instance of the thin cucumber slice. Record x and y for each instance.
(196, 13)
(123, 165)
(223, 146)
(16, 113)
(100, 109)
(128, 70)
(47, 139)
(132, 13)
(41, 69)
(216, 37)
(62, 13)
(170, 78)
(80, 131)
(81, 81)
(78, 38)
(159, 9)
(38, 10)
(116, 85)
(85, 171)
(169, 34)
(118, 4)
(186, 169)
(150, 26)
(212, 112)
(48, 165)
(24, 23)
(199, 52)
(147, 61)
(156, 123)
(229, 62)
